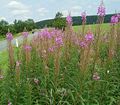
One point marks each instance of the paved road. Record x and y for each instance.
(3, 44)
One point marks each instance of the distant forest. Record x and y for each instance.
(76, 21)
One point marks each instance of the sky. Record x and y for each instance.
(46, 9)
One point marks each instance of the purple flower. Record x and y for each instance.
(69, 19)
(51, 49)
(118, 15)
(25, 34)
(45, 33)
(76, 41)
(53, 32)
(83, 15)
(114, 19)
(27, 48)
(59, 40)
(96, 76)
(18, 63)
(9, 36)
(89, 37)
(9, 103)
(101, 9)
(83, 44)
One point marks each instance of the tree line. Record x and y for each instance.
(17, 26)
(60, 21)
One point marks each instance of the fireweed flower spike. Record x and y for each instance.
(45, 33)
(59, 41)
(101, 9)
(69, 19)
(114, 19)
(9, 103)
(18, 63)
(25, 34)
(89, 37)
(83, 44)
(27, 48)
(83, 15)
(51, 49)
(118, 15)
(9, 36)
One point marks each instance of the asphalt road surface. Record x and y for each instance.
(3, 44)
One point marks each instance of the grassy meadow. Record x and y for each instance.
(105, 26)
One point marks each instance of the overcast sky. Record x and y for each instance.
(45, 9)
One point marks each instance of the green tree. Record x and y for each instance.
(30, 24)
(58, 15)
(19, 25)
(59, 22)
(3, 27)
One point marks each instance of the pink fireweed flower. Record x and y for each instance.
(59, 40)
(40, 35)
(45, 33)
(51, 49)
(114, 19)
(89, 37)
(27, 48)
(83, 44)
(96, 76)
(76, 41)
(101, 9)
(18, 63)
(69, 19)
(25, 34)
(83, 15)
(36, 81)
(9, 36)
(52, 33)
(9, 103)
(118, 15)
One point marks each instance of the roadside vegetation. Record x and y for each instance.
(64, 67)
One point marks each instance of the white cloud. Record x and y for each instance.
(2, 18)
(18, 8)
(76, 8)
(42, 11)
(16, 5)
(20, 12)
